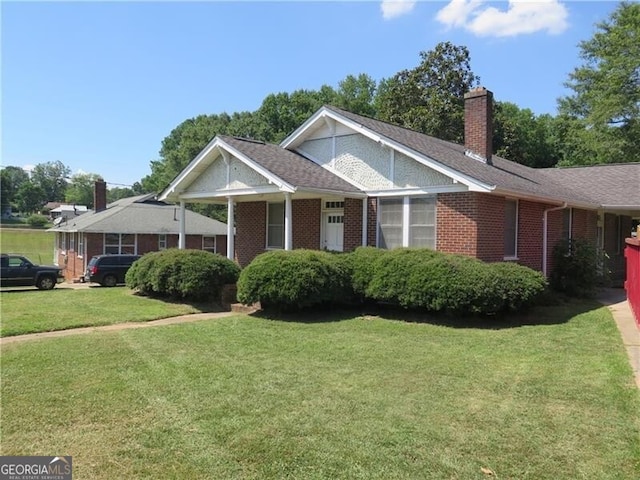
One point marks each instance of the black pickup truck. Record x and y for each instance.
(18, 271)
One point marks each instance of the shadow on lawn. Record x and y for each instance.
(561, 312)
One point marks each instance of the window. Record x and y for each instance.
(209, 244)
(567, 215)
(120, 243)
(80, 244)
(275, 225)
(72, 241)
(407, 222)
(422, 222)
(63, 241)
(510, 228)
(331, 204)
(162, 241)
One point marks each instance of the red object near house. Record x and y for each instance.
(632, 284)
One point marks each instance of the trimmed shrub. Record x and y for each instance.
(438, 282)
(183, 274)
(37, 221)
(361, 264)
(295, 279)
(576, 268)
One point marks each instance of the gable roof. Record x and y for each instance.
(141, 214)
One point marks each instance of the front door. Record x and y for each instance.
(334, 231)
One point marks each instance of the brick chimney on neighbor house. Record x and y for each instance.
(99, 195)
(478, 123)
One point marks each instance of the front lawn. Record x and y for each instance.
(36, 245)
(361, 397)
(31, 310)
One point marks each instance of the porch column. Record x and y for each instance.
(365, 223)
(288, 230)
(182, 236)
(230, 229)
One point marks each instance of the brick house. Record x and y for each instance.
(134, 225)
(342, 180)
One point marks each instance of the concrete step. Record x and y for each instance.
(241, 308)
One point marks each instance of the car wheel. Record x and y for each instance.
(109, 281)
(46, 283)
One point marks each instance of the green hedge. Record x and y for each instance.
(577, 264)
(438, 282)
(183, 274)
(296, 279)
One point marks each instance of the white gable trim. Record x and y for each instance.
(174, 190)
(296, 138)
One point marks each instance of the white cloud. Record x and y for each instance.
(521, 17)
(396, 8)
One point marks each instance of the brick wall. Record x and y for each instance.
(530, 233)
(251, 231)
(352, 223)
(490, 223)
(306, 223)
(456, 227)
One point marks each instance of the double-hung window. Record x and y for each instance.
(275, 225)
(407, 222)
(119, 243)
(510, 228)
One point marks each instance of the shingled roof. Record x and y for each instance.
(502, 174)
(289, 166)
(141, 214)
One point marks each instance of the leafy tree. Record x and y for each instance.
(601, 119)
(522, 137)
(430, 97)
(357, 95)
(116, 193)
(30, 197)
(12, 178)
(51, 177)
(80, 189)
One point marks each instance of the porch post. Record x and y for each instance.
(182, 237)
(230, 229)
(288, 230)
(365, 223)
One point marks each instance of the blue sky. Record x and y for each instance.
(99, 85)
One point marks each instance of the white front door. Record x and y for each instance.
(334, 231)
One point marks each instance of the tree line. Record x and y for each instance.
(598, 122)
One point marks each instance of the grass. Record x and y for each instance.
(31, 310)
(347, 397)
(36, 245)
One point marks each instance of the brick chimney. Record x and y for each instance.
(99, 195)
(478, 124)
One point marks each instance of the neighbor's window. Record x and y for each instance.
(510, 228)
(119, 243)
(162, 241)
(275, 225)
(407, 222)
(209, 244)
(567, 215)
(63, 241)
(72, 241)
(80, 244)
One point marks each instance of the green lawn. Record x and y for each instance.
(360, 397)
(31, 310)
(36, 245)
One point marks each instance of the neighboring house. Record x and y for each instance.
(134, 225)
(342, 180)
(64, 212)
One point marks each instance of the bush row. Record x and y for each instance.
(182, 274)
(410, 278)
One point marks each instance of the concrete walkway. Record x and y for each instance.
(194, 317)
(616, 300)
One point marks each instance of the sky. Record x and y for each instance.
(99, 85)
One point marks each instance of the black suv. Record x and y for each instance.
(18, 271)
(109, 270)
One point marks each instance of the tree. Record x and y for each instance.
(116, 193)
(520, 136)
(357, 95)
(430, 97)
(80, 189)
(12, 179)
(30, 198)
(52, 178)
(602, 117)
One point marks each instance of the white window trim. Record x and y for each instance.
(515, 256)
(63, 243)
(162, 239)
(215, 242)
(406, 220)
(266, 242)
(104, 242)
(80, 251)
